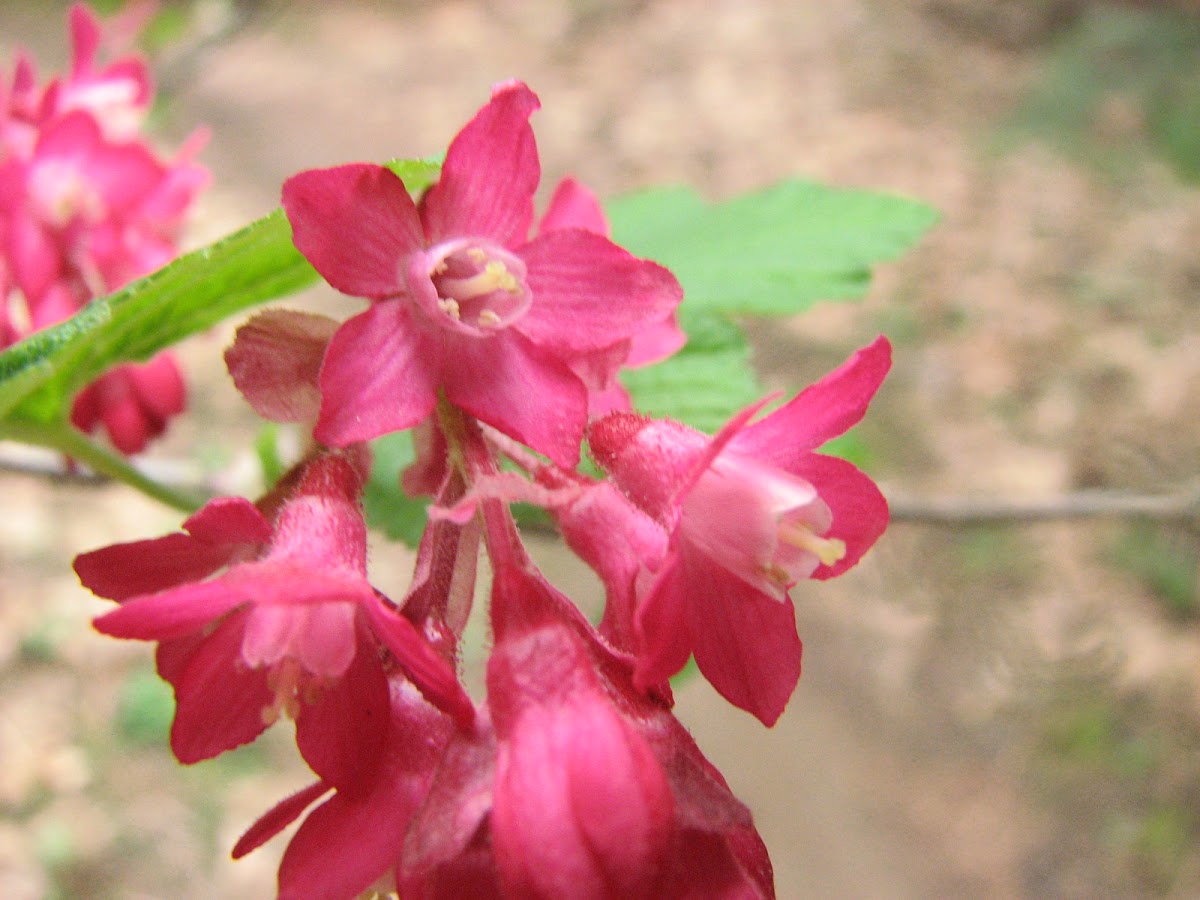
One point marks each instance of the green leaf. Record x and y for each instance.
(704, 383)
(772, 252)
(417, 174)
(39, 376)
(387, 507)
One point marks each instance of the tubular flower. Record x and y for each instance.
(289, 627)
(749, 512)
(353, 840)
(583, 787)
(463, 302)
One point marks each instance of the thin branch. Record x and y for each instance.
(105, 465)
(1183, 508)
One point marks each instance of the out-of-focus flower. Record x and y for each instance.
(749, 512)
(133, 402)
(87, 206)
(464, 303)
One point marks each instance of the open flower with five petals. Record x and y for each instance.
(463, 302)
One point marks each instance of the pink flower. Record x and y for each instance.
(750, 512)
(132, 401)
(464, 303)
(87, 207)
(353, 841)
(117, 95)
(583, 788)
(291, 626)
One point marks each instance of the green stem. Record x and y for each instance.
(70, 441)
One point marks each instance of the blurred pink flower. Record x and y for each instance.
(85, 207)
(132, 401)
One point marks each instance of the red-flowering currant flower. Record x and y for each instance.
(353, 841)
(118, 95)
(132, 401)
(87, 207)
(583, 787)
(750, 512)
(463, 302)
(290, 627)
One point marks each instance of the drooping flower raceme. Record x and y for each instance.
(749, 513)
(463, 302)
(85, 207)
(572, 778)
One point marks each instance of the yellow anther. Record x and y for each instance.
(489, 318)
(449, 307)
(494, 277)
(477, 255)
(827, 550)
(284, 680)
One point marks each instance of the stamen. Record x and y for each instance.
(827, 550)
(284, 680)
(449, 307)
(494, 277)
(488, 318)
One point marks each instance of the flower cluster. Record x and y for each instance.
(85, 207)
(498, 338)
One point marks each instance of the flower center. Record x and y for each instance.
(760, 522)
(472, 286)
(291, 686)
(798, 534)
(61, 192)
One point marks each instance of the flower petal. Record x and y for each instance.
(132, 569)
(744, 641)
(341, 734)
(275, 361)
(490, 174)
(524, 391)
(432, 675)
(860, 511)
(663, 643)
(355, 224)
(379, 376)
(228, 520)
(589, 293)
(277, 818)
(219, 702)
(170, 614)
(819, 412)
(574, 206)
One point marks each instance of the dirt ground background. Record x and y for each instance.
(986, 711)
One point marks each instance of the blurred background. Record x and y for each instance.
(1005, 708)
